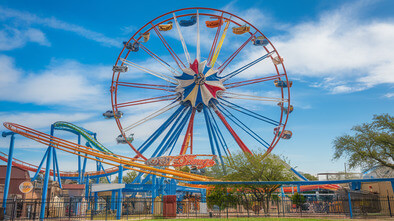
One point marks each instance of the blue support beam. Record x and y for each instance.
(87, 188)
(96, 194)
(45, 186)
(9, 168)
(350, 205)
(40, 166)
(291, 182)
(154, 192)
(206, 117)
(169, 136)
(84, 166)
(119, 200)
(79, 162)
(46, 178)
(57, 167)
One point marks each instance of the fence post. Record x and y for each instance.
(35, 209)
(127, 209)
(69, 209)
(350, 205)
(14, 209)
(106, 208)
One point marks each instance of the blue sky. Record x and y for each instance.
(56, 60)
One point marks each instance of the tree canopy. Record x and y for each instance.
(250, 167)
(371, 145)
(128, 178)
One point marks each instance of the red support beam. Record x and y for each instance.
(230, 129)
(189, 135)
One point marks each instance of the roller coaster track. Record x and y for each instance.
(63, 174)
(97, 155)
(62, 125)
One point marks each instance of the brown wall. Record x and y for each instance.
(18, 176)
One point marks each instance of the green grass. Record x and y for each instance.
(252, 219)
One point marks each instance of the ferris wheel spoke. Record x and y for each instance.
(213, 136)
(173, 134)
(146, 70)
(241, 69)
(238, 140)
(160, 60)
(209, 129)
(147, 100)
(232, 56)
(188, 140)
(170, 50)
(181, 109)
(150, 117)
(176, 135)
(249, 112)
(146, 86)
(252, 81)
(187, 55)
(198, 52)
(241, 125)
(231, 95)
(215, 40)
(217, 51)
(219, 135)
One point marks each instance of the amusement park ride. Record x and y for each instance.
(208, 97)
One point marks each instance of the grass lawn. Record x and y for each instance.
(252, 219)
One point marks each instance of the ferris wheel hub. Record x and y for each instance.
(199, 83)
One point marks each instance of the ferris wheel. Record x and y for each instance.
(200, 81)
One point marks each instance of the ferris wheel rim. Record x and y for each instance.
(283, 117)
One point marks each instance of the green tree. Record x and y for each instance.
(256, 167)
(221, 196)
(298, 200)
(128, 178)
(103, 180)
(371, 145)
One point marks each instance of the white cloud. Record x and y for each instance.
(31, 19)
(67, 83)
(355, 54)
(340, 46)
(389, 95)
(41, 120)
(11, 38)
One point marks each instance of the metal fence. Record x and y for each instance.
(104, 208)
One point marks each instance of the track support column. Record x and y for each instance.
(9, 168)
(119, 200)
(46, 180)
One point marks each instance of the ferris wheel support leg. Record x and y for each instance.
(9, 168)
